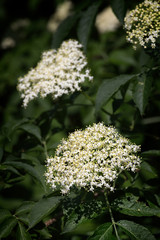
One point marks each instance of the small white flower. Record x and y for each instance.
(59, 72)
(91, 158)
(143, 24)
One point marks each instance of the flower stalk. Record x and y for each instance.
(111, 215)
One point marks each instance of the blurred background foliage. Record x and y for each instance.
(28, 28)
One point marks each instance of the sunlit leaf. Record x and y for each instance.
(135, 231)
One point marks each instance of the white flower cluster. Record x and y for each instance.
(91, 158)
(59, 72)
(143, 24)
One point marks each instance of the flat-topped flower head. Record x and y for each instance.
(91, 159)
(142, 24)
(59, 72)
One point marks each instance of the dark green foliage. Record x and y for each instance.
(86, 23)
(104, 232)
(142, 91)
(42, 209)
(110, 87)
(119, 8)
(135, 231)
(125, 93)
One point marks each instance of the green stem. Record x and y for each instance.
(111, 215)
(45, 148)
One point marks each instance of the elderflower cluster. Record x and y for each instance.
(59, 72)
(90, 159)
(143, 24)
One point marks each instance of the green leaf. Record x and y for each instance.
(24, 208)
(3, 167)
(22, 234)
(122, 58)
(73, 222)
(32, 129)
(32, 159)
(7, 226)
(64, 29)
(151, 153)
(119, 9)
(29, 169)
(24, 218)
(44, 233)
(86, 22)
(103, 232)
(42, 209)
(132, 207)
(142, 91)
(148, 171)
(1, 153)
(157, 199)
(4, 213)
(110, 87)
(40, 169)
(135, 231)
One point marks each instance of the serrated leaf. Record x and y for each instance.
(42, 209)
(64, 29)
(32, 129)
(132, 207)
(86, 22)
(110, 87)
(103, 232)
(119, 9)
(4, 213)
(7, 226)
(148, 171)
(135, 231)
(22, 234)
(142, 91)
(28, 168)
(24, 208)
